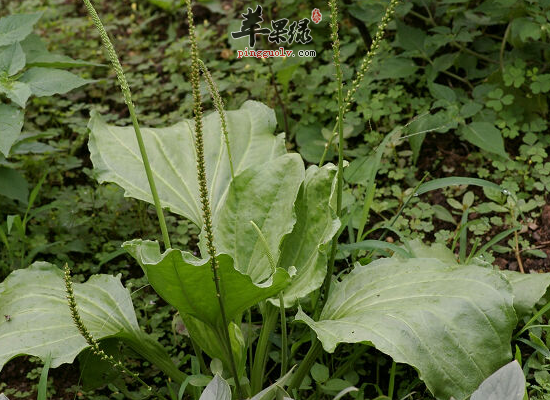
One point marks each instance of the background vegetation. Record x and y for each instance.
(467, 82)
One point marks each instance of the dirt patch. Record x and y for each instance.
(13, 377)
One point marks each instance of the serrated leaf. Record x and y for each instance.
(186, 282)
(452, 323)
(11, 123)
(38, 55)
(13, 185)
(116, 158)
(410, 38)
(15, 28)
(485, 136)
(508, 383)
(40, 321)
(12, 59)
(264, 194)
(442, 92)
(50, 81)
(16, 91)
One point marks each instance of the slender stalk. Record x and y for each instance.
(284, 336)
(203, 188)
(367, 61)
(340, 174)
(111, 53)
(391, 384)
(86, 334)
(363, 69)
(218, 103)
(262, 348)
(305, 366)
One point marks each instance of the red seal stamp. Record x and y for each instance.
(316, 15)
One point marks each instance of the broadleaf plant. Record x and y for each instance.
(270, 231)
(40, 322)
(27, 68)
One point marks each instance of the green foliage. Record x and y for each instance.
(19, 48)
(463, 84)
(40, 322)
(116, 158)
(506, 383)
(385, 303)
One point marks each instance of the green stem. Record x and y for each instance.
(363, 69)
(262, 348)
(340, 174)
(305, 366)
(391, 385)
(284, 336)
(350, 362)
(200, 358)
(218, 103)
(203, 188)
(149, 350)
(111, 53)
(284, 341)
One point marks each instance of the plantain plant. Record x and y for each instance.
(269, 239)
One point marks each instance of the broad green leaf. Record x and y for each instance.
(50, 81)
(411, 39)
(11, 123)
(38, 55)
(395, 68)
(40, 322)
(264, 194)
(95, 371)
(452, 323)
(13, 185)
(508, 383)
(15, 28)
(217, 389)
(116, 158)
(210, 341)
(12, 59)
(485, 136)
(442, 92)
(306, 247)
(528, 290)
(51, 60)
(16, 91)
(186, 282)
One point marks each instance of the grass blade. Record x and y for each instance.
(43, 383)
